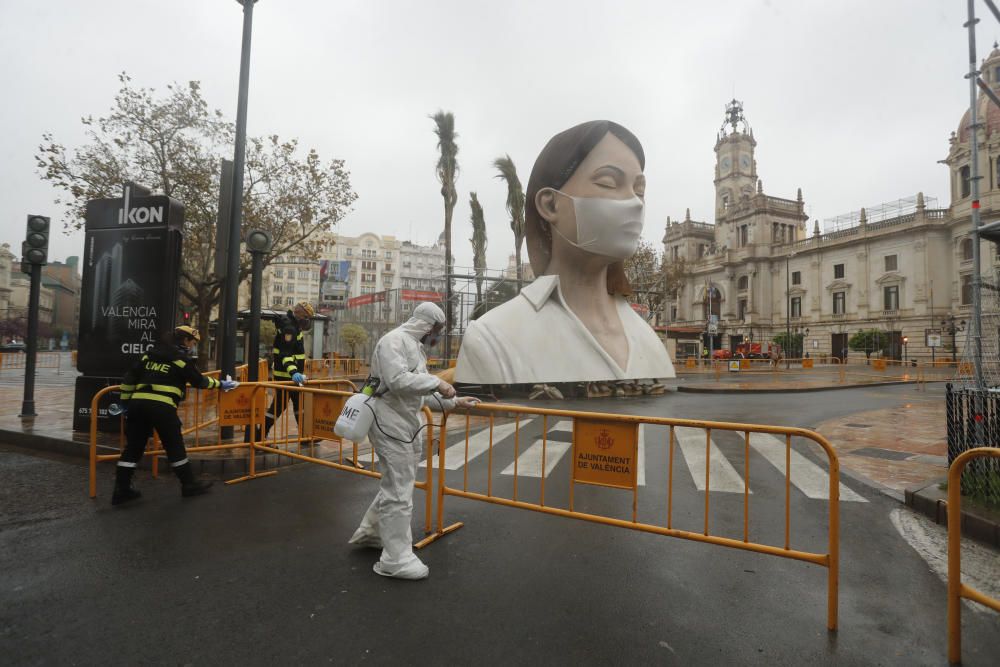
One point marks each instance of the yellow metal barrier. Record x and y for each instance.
(586, 424)
(274, 445)
(10, 360)
(197, 412)
(956, 589)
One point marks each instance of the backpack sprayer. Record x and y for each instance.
(358, 415)
(356, 418)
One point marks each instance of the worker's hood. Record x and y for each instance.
(425, 316)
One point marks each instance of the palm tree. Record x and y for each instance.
(447, 173)
(515, 207)
(478, 244)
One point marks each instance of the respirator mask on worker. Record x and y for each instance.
(431, 338)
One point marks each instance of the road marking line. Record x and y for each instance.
(529, 462)
(807, 476)
(479, 443)
(722, 475)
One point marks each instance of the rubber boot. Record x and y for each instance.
(189, 485)
(124, 491)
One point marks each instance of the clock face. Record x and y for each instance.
(726, 164)
(745, 161)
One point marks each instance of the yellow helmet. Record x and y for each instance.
(189, 332)
(307, 307)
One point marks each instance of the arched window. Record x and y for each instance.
(964, 175)
(966, 250)
(743, 283)
(713, 299)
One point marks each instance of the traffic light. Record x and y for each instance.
(36, 243)
(187, 317)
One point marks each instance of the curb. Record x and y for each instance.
(726, 390)
(932, 502)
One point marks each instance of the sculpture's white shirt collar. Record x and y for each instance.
(538, 292)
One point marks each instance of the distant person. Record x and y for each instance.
(399, 363)
(150, 393)
(288, 359)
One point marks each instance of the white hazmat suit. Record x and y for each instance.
(400, 364)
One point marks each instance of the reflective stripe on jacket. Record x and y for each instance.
(162, 376)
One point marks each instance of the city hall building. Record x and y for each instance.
(904, 267)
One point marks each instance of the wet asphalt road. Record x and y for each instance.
(259, 573)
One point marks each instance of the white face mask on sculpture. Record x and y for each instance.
(607, 227)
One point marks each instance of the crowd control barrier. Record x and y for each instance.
(318, 409)
(12, 360)
(956, 589)
(615, 438)
(198, 413)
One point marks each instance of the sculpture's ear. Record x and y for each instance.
(545, 203)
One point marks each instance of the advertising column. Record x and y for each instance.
(131, 270)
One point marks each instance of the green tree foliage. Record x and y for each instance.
(447, 174)
(869, 341)
(498, 294)
(515, 207)
(791, 347)
(173, 143)
(478, 241)
(353, 335)
(652, 278)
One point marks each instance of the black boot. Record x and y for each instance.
(123, 486)
(189, 485)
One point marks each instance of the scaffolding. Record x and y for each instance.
(380, 312)
(884, 211)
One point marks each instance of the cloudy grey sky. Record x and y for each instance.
(852, 101)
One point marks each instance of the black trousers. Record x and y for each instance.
(278, 407)
(143, 418)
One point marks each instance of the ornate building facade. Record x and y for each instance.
(904, 267)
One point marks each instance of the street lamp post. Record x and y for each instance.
(948, 326)
(259, 244)
(788, 309)
(239, 156)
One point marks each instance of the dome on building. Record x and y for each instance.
(989, 113)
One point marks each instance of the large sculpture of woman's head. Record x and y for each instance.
(585, 200)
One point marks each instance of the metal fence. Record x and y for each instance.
(973, 417)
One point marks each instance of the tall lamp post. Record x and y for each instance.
(259, 244)
(788, 308)
(239, 154)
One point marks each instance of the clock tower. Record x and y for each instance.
(735, 167)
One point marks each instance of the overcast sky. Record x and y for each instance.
(853, 101)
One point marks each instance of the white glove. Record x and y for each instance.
(466, 402)
(229, 384)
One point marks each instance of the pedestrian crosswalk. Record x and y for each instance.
(692, 446)
(722, 476)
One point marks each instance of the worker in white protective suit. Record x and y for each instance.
(400, 364)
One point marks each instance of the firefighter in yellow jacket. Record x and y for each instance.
(288, 358)
(151, 392)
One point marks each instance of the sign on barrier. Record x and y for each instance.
(807, 363)
(734, 366)
(605, 453)
(878, 364)
(325, 410)
(234, 407)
